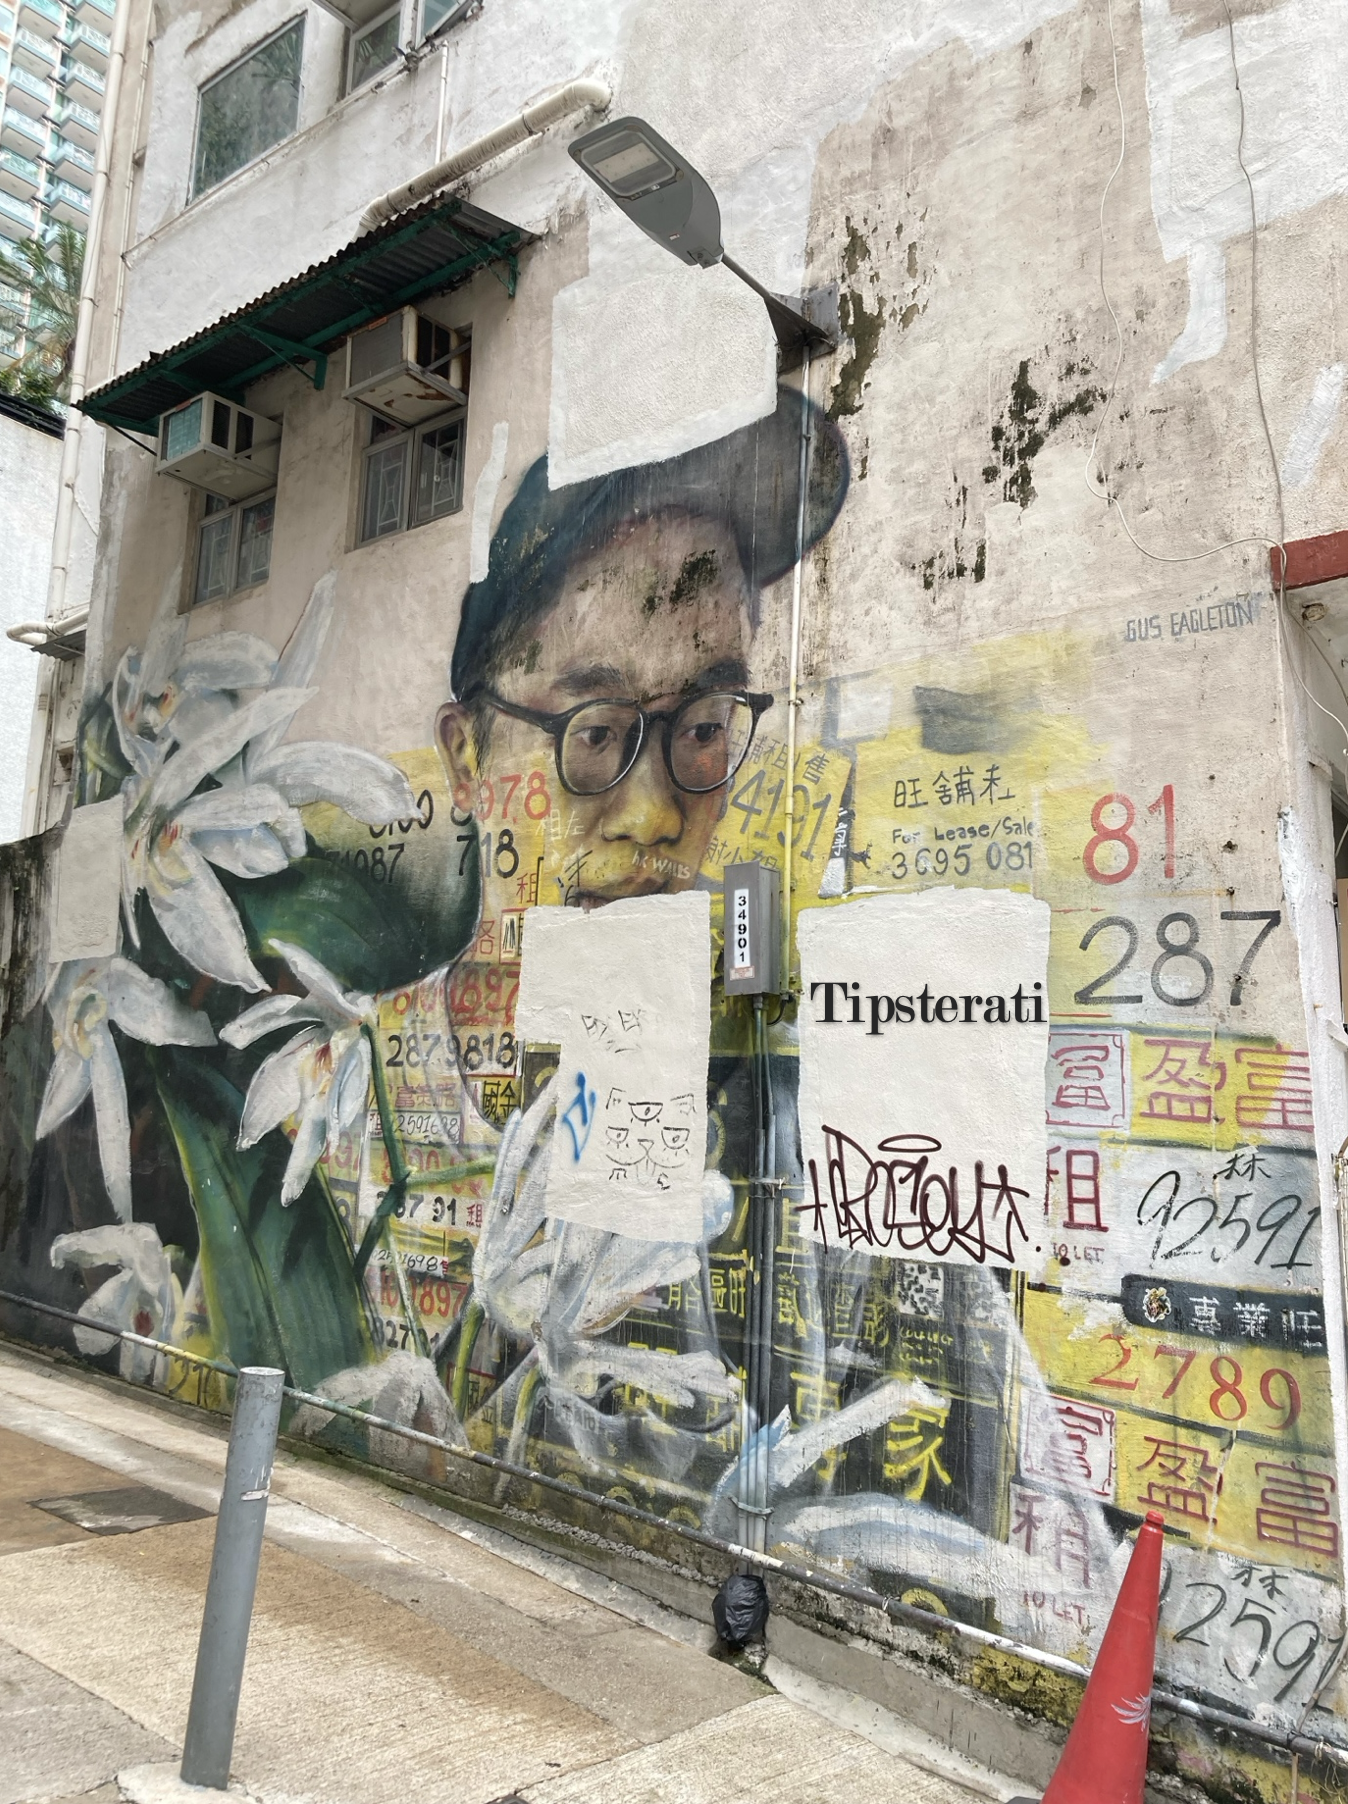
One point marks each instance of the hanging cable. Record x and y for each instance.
(1106, 495)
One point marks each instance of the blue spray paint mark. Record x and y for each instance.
(582, 1104)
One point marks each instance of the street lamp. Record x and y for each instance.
(660, 191)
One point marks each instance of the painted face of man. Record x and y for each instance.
(658, 615)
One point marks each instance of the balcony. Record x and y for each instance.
(19, 132)
(44, 17)
(32, 52)
(67, 203)
(29, 93)
(93, 10)
(71, 163)
(21, 212)
(6, 20)
(77, 124)
(19, 175)
(94, 47)
(80, 75)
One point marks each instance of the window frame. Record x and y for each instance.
(455, 12)
(412, 437)
(352, 38)
(299, 18)
(233, 511)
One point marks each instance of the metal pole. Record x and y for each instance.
(233, 1581)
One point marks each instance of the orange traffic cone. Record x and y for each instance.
(1105, 1760)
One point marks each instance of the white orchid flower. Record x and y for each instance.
(174, 836)
(84, 997)
(401, 1387)
(320, 1079)
(181, 724)
(558, 1287)
(144, 1296)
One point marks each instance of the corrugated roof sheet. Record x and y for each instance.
(430, 249)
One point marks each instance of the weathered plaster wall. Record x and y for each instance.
(29, 465)
(1040, 652)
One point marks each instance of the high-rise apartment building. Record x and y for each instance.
(53, 61)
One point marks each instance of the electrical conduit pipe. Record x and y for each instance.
(573, 98)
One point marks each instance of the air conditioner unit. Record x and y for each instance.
(215, 444)
(407, 367)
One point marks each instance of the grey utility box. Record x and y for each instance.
(753, 930)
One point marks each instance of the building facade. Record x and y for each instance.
(53, 67)
(479, 588)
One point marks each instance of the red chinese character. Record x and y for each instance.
(1186, 1482)
(1081, 1077)
(1187, 1079)
(1295, 1509)
(1083, 1190)
(1278, 1089)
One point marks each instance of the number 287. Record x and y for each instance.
(1182, 975)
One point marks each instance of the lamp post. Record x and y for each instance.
(660, 191)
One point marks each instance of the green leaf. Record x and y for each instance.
(279, 1282)
(362, 931)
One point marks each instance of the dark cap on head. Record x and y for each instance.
(749, 482)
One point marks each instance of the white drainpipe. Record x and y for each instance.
(575, 96)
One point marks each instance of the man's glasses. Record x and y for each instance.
(705, 739)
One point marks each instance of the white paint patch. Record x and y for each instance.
(1312, 430)
(88, 883)
(865, 708)
(642, 339)
(1204, 333)
(485, 491)
(626, 991)
(921, 1100)
(1296, 137)
(652, 366)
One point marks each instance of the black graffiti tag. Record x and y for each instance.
(904, 1201)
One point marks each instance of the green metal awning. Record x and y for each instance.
(429, 250)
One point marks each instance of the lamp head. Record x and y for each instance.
(655, 186)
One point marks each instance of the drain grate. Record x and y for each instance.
(119, 1512)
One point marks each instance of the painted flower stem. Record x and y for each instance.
(431, 1180)
(473, 1317)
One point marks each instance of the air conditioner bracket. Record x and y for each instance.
(294, 353)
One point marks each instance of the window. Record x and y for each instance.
(233, 547)
(435, 12)
(373, 48)
(252, 106)
(410, 476)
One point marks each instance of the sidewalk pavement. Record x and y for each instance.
(398, 1652)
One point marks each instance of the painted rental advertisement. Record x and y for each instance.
(368, 1016)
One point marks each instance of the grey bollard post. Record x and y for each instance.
(229, 1592)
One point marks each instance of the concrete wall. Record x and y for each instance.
(1063, 758)
(30, 463)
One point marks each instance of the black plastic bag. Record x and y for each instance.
(740, 1609)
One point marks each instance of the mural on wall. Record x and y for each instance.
(340, 1103)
